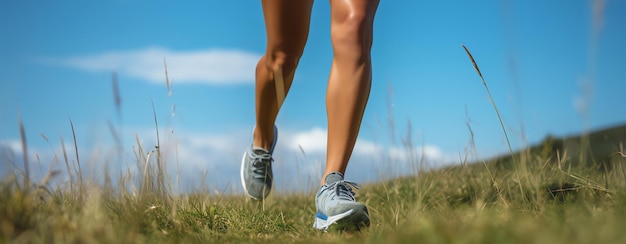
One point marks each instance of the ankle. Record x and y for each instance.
(262, 140)
(332, 176)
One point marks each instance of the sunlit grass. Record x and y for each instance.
(460, 204)
(560, 200)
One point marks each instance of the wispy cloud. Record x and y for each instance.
(314, 141)
(212, 66)
(370, 160)
(310, 141)
(428, 152)
(212, 159)
(14, 145)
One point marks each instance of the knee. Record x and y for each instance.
(351, 34)
(283, 58)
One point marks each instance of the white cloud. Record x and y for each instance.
(212, 66)
(397, 153)
(192, 154)
(14, 145)
(206, 150)
(432, 152)
(315, 140)
(367, 148)
(429, 152)
(311, 141)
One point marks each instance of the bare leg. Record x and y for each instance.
(350, 77)
(287, 28)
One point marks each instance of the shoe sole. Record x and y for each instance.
(243, 181)
(351, 220)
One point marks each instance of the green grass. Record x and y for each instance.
(472, 203)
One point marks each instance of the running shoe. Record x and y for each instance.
(335, 204)
(256, 170)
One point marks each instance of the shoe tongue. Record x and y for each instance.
(259, 151)
(333, 177)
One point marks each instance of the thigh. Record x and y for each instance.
(287, 24)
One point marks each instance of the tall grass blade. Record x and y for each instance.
(24, 151)
(167, 79)
(67, 165)
(506, 135)
(117, 98)
(80, 172)
(160, 167)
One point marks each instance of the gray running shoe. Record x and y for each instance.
(335, 204)
(256, 170)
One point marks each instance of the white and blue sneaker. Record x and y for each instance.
(335, 204)
(256, 170)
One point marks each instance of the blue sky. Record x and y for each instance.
(553, 67)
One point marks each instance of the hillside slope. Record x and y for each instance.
(598, 149)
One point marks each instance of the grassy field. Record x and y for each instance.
(550, 198)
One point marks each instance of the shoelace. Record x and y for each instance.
(343, 190)
(260, 164)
